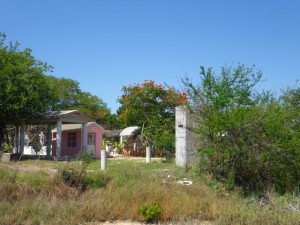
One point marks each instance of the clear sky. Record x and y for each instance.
(107, 44)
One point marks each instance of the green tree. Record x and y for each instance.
(248, 139)
(151, 107)
(68, 96)
(24, 90)
(65, 93)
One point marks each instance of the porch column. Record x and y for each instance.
(17, 139)
(58, 138)
(49, 140)
(22, 138)
(84, 138)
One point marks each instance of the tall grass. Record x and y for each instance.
(118, 194)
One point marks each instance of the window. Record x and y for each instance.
(71, 139)
(91, 138)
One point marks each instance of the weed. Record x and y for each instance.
(152, 212)
(74, 176)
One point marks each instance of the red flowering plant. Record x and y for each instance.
(152, 107)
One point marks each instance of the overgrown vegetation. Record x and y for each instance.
(42, 197)
(249, 139)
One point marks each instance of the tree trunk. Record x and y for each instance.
(2, 129)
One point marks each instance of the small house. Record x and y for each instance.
(72, 143)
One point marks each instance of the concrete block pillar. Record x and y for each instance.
(58, 138)
(17, 138)
(84, 138)
(22, 138)
(49, 140)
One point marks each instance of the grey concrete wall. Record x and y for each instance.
(187, 142)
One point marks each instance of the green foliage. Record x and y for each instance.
(152, 108)
(250, 140)
(86, 157)
(97, 180)
(24, 90)
(152, 212)
(68, 95)
(8, 148)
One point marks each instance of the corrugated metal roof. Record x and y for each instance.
(129, 131)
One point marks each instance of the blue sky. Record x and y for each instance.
(107, 44)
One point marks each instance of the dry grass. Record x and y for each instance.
(39, 197)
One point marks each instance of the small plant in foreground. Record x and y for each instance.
(151, 213)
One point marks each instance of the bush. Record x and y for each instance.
(151, 213)
(74, 176)
(248, 140)
(8, 148)
(86, 157)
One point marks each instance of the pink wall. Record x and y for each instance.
(73, 151)
(94, 128)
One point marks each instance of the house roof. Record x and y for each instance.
(66, 116)
(74, 127)
(129, 131)
(112, 133)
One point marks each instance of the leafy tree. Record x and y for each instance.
(65, 92)
(151, 107)
(68, 95)
(24, 90)
(248, 139)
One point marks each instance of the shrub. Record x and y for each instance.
(8, 148)
(86, 157)
(248, 140)
(152, 212)
(74, 176)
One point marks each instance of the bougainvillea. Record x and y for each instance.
(152, 106)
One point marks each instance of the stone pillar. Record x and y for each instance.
(22, 138)
(187, 141)
(49, 140)
(148, 154)
(84, 138)
(103, 159)
(58, 138)
(17, 138)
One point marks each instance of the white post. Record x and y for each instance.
(84, 138)
(58, 138)
(103, 159)
(148, 154)
(22, 138)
